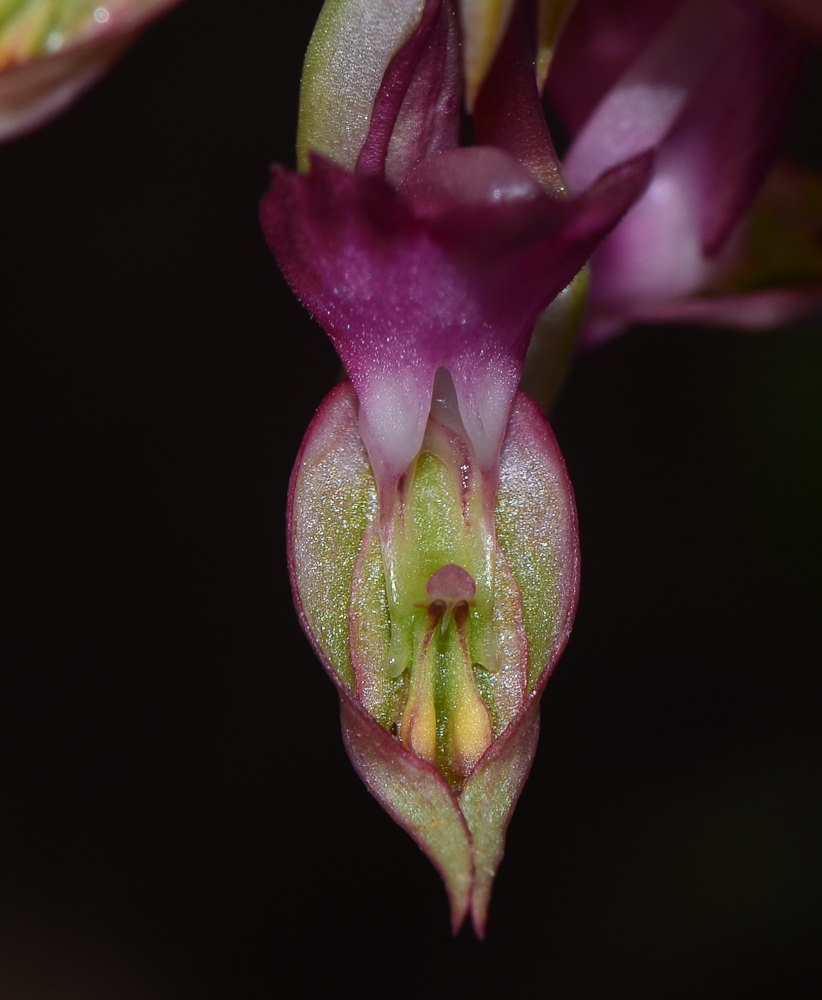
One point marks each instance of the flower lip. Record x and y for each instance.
(407, 282)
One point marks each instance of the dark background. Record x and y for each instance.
(177, 815)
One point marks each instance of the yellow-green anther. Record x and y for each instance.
(468, 731)
(445, 721)
(342, 74)
(418, 729)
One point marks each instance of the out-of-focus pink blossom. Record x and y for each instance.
(708, 85)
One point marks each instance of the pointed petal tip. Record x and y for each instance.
(459, 912)
(479, 917)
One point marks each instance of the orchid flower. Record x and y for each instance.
(708, 84)
(51, 51)
(432, 532)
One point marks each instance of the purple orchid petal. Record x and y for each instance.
(600, 41)
(752, 311)
(508, 111)
(483, 24)
(404, 283)
(717, 138)
(731, 131)
(643, 106)
(416, 110)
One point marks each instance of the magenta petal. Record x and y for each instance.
(416, 111)
(508, 112)
(405, 283)
(604, 37)
(644, 105)
(730, 133)
(752, 311)
(716, 137)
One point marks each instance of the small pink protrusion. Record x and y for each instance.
(451, 584)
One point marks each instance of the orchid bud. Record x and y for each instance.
(53, 50)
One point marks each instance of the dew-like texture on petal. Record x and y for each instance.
(383, 693)
(536, 527)
(416, 111)
(332, 499)
(342, 75)
(451, 272)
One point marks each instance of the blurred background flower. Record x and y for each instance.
(53, 50)
(157, 379)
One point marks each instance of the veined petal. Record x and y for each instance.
(380, 108)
